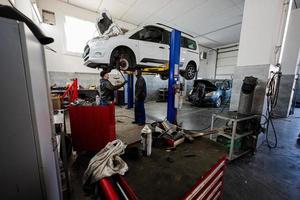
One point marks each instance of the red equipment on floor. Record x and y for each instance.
(92, 126)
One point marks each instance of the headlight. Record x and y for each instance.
(210, 94)
(99, 54)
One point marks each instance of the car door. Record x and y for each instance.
(183, 52)
(166, 45)
(151, 47)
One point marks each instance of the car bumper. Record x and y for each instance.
(96, 62)
(209, 100)
(205, 100)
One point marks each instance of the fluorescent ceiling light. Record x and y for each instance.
(37, 13)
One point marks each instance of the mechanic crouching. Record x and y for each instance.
(107, 89)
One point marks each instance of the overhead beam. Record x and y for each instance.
(93, 11)
(219, 29)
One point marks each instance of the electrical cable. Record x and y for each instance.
(272, 99)
(207, 127)
(124, 116)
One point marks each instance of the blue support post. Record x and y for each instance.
(130, 91)
(173, 73)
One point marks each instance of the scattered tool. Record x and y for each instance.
(169, 135)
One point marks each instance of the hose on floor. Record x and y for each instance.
(222, 109)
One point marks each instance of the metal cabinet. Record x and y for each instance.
(28, 168)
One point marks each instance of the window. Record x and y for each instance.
(139, 35)
(191, 44)
(182, 42)
(188, 43)
(150, 34)
(77, 33)
(166, 37)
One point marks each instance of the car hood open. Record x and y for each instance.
(105, 25)
(207, 84)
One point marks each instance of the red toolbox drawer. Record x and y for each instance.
(92, 127)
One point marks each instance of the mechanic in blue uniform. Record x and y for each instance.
(140, 96)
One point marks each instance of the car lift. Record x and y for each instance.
(172, 67)
(173, 74)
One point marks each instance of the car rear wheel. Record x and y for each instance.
(218, 102)
(164, 76)
(190, 72)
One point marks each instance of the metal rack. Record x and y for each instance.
(235, 118)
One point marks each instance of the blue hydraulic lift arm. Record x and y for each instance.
(174, 60)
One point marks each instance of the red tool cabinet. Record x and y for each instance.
(92, 127)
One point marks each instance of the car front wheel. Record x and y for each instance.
(190, 72)
(218, 102)
(123, 59)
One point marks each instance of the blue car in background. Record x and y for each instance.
(210, 91)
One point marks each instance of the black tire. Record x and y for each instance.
(190, 72)
(164, 76)
(218, 102)
(123, 59)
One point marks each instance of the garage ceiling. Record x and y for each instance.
(213, 22)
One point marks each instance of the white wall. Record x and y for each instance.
(207, 66)
(4, 2)
(62, 61)
(289, 62)
(226, 63)
(24, 6)
(261, 31)
(292, 44)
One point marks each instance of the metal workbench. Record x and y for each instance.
(235, 118)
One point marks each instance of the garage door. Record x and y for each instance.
(226, 62)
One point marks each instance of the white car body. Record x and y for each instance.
(150, 52)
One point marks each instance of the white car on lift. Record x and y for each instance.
(146, 46)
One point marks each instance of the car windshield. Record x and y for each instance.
(219, 84)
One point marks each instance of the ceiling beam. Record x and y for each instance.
(128, 9)
(95, 12)
(219, 29)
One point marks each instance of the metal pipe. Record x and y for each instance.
(216, 64)
(227, 51)
(236, 45)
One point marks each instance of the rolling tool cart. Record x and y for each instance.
(240, 137)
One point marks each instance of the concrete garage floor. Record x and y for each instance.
(270, 174)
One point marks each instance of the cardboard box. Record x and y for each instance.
(56, 102)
